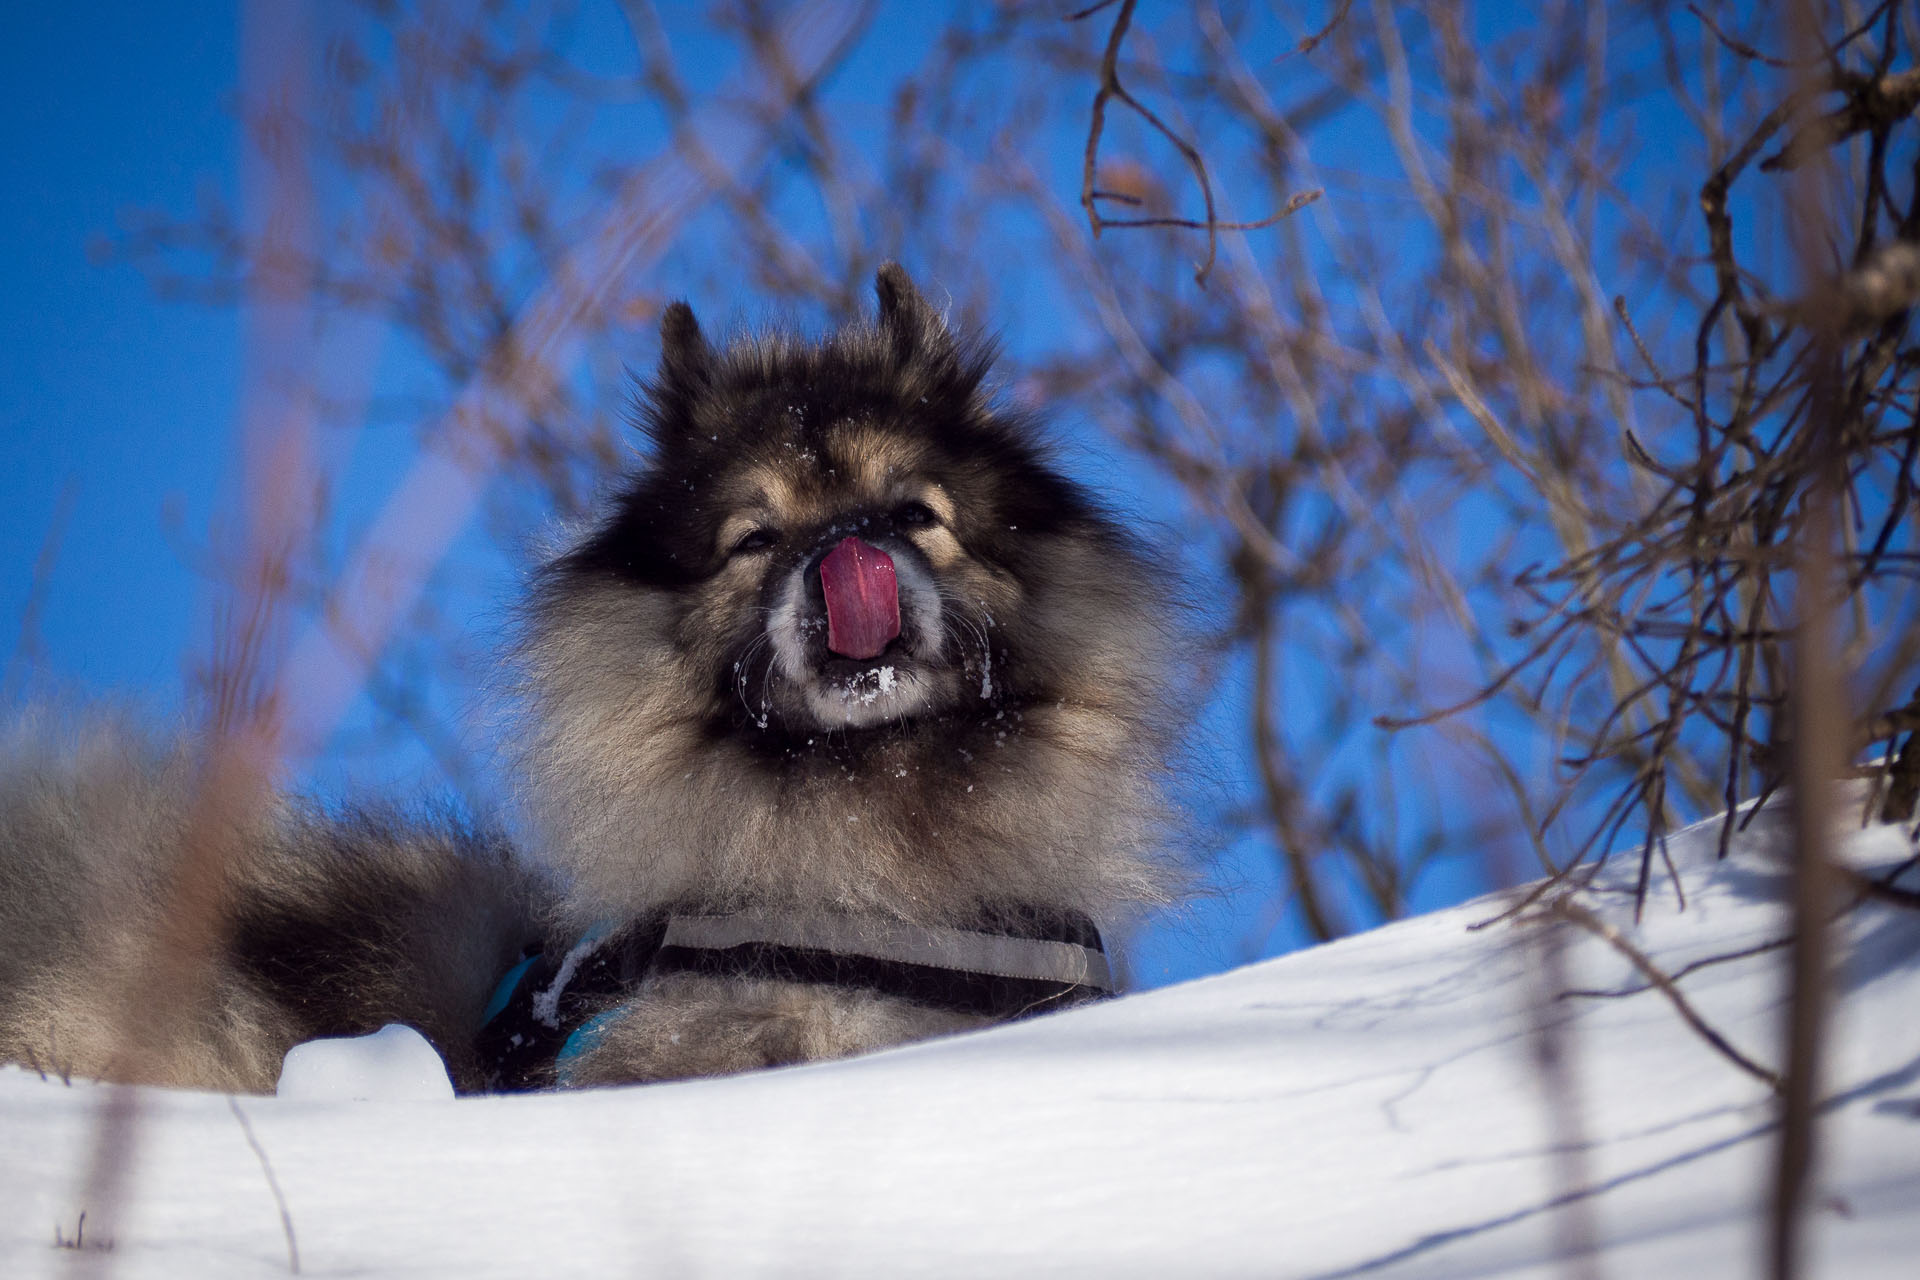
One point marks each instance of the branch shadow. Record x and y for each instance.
(1898, 1078)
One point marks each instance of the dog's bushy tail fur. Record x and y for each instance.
(340, 920)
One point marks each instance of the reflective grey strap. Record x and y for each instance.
(931, 945)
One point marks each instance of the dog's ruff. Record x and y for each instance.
(1016, 961)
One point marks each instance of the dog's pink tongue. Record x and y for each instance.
(863, 600)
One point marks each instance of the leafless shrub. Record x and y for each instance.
(1502, 424)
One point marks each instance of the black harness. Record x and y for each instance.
(1011, 962)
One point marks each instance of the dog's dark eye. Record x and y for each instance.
(914, 513)
(754, 540)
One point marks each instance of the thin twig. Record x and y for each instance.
(1881, 890)
(1621, 993)
(1294, 205)
(1567, 909)
(1312, 42)
(1111, 89)
(273, 1183)
(26, 649)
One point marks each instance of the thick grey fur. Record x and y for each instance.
(340, 922)
(1022, 754)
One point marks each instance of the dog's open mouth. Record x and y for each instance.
(891, 688)
(854, 642)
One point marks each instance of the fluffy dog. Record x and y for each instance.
(843, 726)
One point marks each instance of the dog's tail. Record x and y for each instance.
(335, 922)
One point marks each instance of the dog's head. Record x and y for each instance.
(842, 536)
(848, 636)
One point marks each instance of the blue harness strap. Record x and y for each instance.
(503, 991)
(544, 1004)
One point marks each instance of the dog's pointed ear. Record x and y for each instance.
(686, 357)
(664, 407)
(913, 329)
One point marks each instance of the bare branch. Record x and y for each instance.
(1565, 908)
(1110, 89)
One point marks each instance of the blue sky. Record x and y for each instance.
(103, 388)
(118, 407)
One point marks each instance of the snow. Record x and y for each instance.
(1367, 1108)
(546, 1004)
(394, 1064)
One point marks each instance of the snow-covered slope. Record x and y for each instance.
(1371, 1107)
